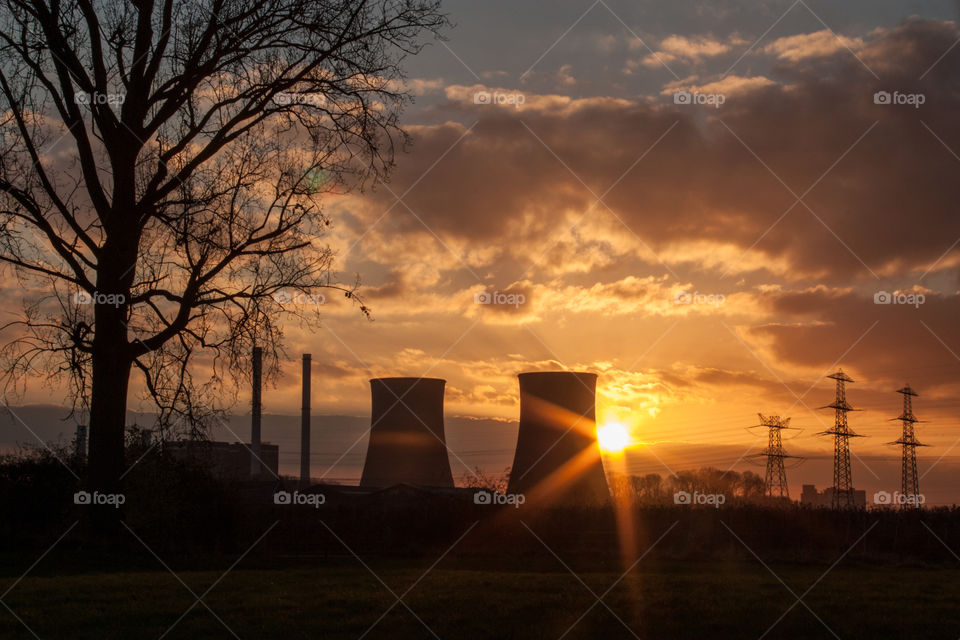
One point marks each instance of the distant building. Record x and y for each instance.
(814, 498)
(227, 460)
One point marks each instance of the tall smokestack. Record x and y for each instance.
(305, 424)
(407, 442)
(255, 412)
(557, 455)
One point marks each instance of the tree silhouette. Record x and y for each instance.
(652, 489)
(160, 182)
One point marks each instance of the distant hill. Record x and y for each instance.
(339, 445)
(338, 442)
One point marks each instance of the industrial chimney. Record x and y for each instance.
(407, 442)
(557, 455)
(255, 409)
(305, 425)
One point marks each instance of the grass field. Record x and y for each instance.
(340, 598)
(860, 574)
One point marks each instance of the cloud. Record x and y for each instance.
(821, 328)
(819, 44)
(526, 178)
(423, 86)
(731, 86)
(565, 77)
(683, 49)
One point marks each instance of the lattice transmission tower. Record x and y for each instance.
(909, 481)
(775, 483)
(841, 432)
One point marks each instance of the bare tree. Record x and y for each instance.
(162, 168)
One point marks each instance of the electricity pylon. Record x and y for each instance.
(775, 483)
(841, 432)
(909, 482)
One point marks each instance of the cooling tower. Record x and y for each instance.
(557, 457)
(407, 443)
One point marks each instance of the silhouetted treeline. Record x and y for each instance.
(653, 489)
(182, 512)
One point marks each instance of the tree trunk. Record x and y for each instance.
(110, 370)
(110, 380)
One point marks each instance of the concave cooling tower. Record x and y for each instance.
(407, 443)
(558, 457)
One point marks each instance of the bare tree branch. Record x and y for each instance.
(157, 198)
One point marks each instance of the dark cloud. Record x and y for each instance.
(882, 343)
(393, 286)
(890, 199)
(325, 369)
(725, 378)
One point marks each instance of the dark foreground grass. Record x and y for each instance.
(342, 599)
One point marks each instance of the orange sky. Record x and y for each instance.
(709, 262)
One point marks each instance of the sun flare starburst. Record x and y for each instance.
(613, 437)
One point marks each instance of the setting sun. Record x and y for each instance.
(613, 437)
